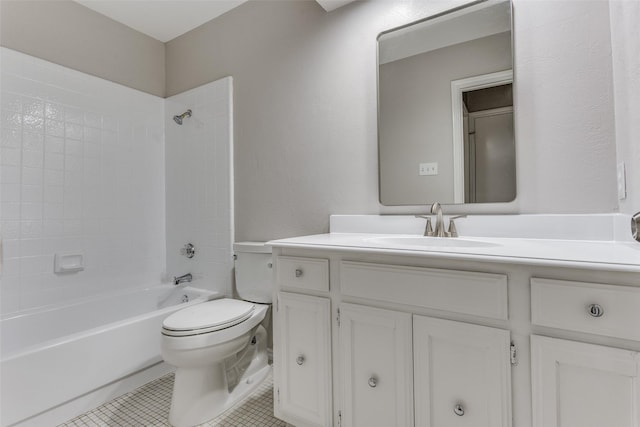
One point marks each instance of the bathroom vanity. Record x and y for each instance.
(375, 325)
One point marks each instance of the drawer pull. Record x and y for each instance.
(373, 382)
(458, 410)
(298, 272)
(596, 310)
(300, 360)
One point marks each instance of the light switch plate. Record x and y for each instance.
(428, 169)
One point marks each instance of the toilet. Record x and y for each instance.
(219, 347)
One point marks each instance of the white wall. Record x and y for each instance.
(82, 170)
(305, 106)
(200, 186)
(625, 38)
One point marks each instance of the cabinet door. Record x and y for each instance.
(462, 374)
(376, 367)
(583, 385)
(302, 360)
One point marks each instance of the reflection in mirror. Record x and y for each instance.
(445, 108)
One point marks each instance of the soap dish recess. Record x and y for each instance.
(68, 263)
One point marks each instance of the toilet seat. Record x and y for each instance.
(207, 317)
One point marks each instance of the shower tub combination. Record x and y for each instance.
(56, 361)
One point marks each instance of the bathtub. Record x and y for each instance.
(51, 357)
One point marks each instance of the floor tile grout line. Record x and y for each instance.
(148, 406)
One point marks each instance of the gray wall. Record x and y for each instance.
(305, 97)
(305, 106)
(304, 109)
(625, 37)
(68, 34)
(415, 116)
(564, 107)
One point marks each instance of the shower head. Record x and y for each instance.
(178, 119)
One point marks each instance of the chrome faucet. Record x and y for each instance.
(182, 279)
(635, 226)
(439, 229)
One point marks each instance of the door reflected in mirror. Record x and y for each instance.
(445, 108)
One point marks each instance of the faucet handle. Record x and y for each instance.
(453, 231)
(188, 250)
(428, 230)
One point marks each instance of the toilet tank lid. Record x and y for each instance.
(252, 247)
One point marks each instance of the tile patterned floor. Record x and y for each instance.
(148, 406)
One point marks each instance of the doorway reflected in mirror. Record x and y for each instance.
(489, 146)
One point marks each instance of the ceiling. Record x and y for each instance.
(165, 20)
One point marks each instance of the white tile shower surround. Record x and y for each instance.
(199, 184)
(148, 406)
(82, 170)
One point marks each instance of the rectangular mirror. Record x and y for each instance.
(445, 108)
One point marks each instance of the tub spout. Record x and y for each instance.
(181, 279)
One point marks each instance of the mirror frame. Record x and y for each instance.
(453, 208)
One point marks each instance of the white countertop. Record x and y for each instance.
(612, 255)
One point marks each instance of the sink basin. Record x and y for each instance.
(430, 242)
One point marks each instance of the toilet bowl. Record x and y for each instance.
(219, 347)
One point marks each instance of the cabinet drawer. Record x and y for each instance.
(586, 307)
(303, 273)
(479, 294)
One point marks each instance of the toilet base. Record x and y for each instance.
(201, 394)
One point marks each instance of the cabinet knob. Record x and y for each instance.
(458, 410)
(373, 382)
(298, 272)
(596, 310)
(300, 360)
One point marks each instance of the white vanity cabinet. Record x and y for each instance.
(416, 339)
(302, 359)
(461, 371)
(462, 374)
(578, 384)
(584, 385)
(375, 367)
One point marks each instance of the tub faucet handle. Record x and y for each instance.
(188, 250)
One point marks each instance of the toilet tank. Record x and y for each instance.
(253, 271)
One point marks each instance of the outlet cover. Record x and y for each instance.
(428, 169)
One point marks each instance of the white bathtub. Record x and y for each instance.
(51, 357)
